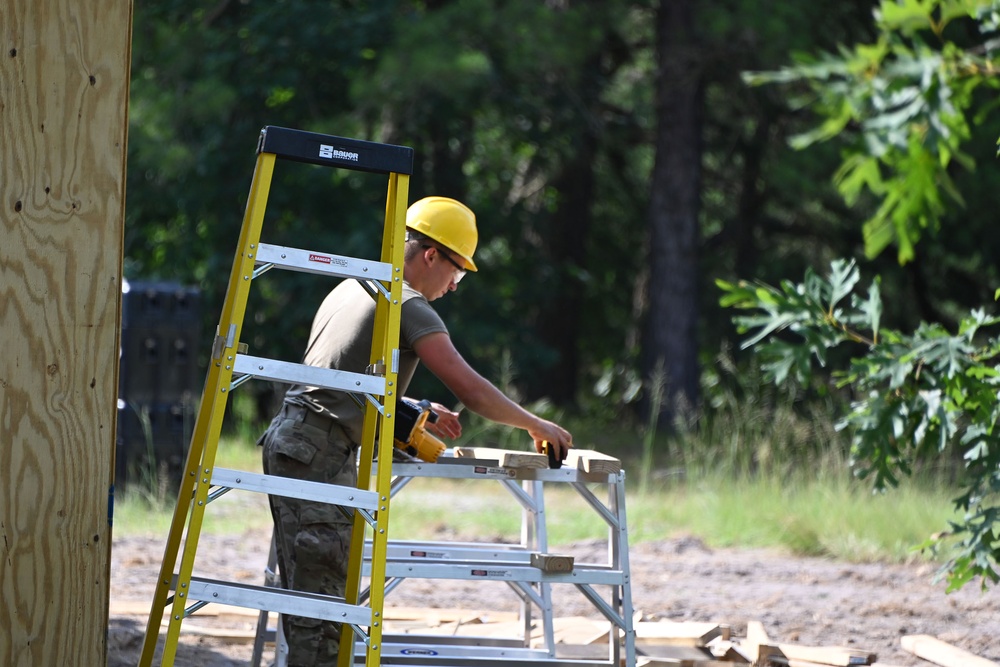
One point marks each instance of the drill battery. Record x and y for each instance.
(411, 435)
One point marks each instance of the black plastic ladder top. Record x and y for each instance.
(332, 151)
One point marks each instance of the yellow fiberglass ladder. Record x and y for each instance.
(178, 593)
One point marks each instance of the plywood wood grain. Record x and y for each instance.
(63, 119)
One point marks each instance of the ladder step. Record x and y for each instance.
(455, 551)
(289, 373)
(311, 605)
(332, 151)
(345, 496)
(493, 571)
(308, 261)
(524, 657)
(428, 648)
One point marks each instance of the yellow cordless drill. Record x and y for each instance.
(410, 434)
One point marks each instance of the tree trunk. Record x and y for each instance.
(559, 323)
(670, 352)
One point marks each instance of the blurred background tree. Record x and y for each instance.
(616, 160)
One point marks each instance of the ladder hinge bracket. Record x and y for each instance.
(377, 369)
(220, 343)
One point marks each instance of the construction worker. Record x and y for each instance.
(316, 434)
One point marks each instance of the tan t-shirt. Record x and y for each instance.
(341, 338)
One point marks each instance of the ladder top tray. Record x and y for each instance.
(332, 151)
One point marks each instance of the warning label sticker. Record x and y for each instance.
(493, 574)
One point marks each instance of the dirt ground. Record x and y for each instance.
(810, 601)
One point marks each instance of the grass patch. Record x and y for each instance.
(830, 516)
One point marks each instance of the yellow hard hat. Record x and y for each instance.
(449, 222)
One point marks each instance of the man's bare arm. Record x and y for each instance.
(478, 394)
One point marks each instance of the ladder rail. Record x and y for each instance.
(208, 425)
(384, 351)
(233, 314)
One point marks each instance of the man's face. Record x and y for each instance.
(449, 271)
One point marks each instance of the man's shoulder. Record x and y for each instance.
(410, 294)
(419, 317)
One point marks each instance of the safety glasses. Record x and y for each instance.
(459, 271)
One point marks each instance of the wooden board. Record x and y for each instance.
(674, 655)
(508, 458)
(838, 656)
(63, 128)
(588, 460)
(757, 644)
(669, 662)
(734, 653)
(552, 562)
(679, 656)
(678, 633)
(792, 662)
(941, 653)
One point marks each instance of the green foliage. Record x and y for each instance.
(493, 97)
(904, 100)
(917, 396)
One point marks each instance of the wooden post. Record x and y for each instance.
(64, 68)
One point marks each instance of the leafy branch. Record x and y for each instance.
(903, 103)
(920, 396)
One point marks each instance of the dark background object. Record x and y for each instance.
(159, 380)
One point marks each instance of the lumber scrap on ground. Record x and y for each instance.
(677, 656)
(679, 633)
(672, 633)
(730, 652)
(941, 653)
(795, 655)
(761, 649)
(757, 644)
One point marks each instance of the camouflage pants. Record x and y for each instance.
(312, 539)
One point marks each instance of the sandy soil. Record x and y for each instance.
(809, 601)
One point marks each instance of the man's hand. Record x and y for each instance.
(554, 434)
(447, 424)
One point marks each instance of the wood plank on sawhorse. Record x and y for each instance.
(507, 458)
(586, 460)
